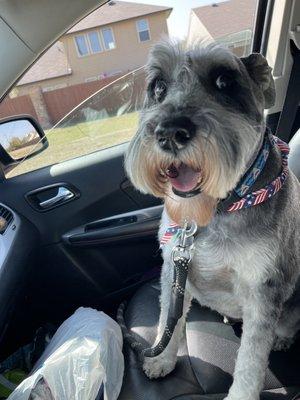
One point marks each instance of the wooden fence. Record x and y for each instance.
(58, 103)
(17, 105)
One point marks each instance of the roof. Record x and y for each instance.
(228, 17)
(115, 11)
(45, 68)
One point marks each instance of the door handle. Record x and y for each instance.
(48, 197)
(63, 195)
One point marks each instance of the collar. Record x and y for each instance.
(240, 198)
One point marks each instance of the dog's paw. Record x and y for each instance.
(158, 367)
(231, 397)
(241, 395)
(282, 343)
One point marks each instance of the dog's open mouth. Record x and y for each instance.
(184, 180)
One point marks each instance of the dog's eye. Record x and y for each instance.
(160, 90)
(223, 82)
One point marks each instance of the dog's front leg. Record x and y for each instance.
(260, 317)
(163, 364)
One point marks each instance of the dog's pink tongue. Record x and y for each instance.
(183, 178)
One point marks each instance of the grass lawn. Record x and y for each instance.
(83, 138)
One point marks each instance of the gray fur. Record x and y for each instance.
(246, 264)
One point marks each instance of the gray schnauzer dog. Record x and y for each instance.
(201, 128)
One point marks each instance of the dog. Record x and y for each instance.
(200, 130)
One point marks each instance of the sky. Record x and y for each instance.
(179, 18)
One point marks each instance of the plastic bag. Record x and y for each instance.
(84, 353)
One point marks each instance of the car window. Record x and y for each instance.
(86, 90)
(109, 117)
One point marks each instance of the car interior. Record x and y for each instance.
(96, 244)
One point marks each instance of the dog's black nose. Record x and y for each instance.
(174, 134)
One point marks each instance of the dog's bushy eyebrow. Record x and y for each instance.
(153, 73)
(164, 58)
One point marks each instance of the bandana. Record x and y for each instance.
(265, 193)
(172, 231)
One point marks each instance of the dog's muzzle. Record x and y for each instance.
(173, 135)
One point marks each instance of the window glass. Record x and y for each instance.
(81, 45)
(142, 25)
(143, 30)
(107, 118)
(108, 38)
(95, 43)
(85, 104)
(144, 36)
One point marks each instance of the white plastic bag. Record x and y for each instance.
(85, 352)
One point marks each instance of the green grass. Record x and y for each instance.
(80, 139)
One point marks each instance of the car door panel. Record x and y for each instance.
(98, 177)
(66, 275)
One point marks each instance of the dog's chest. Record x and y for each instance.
(214, 276)
(224, 267)
(228, 260)
(213, 264)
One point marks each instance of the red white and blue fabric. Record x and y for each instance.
(254, 198)
(263, 194)
(172, 231)
(250, 177)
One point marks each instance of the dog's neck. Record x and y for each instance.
(270, 170)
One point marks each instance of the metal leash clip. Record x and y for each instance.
(186, 242)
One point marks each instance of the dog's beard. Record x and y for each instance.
(219, 171)
(200, 208)
(147, 170)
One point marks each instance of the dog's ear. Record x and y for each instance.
(261, 73)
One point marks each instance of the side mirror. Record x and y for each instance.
(20, 136)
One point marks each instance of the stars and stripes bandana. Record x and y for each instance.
(172, 231)
(261, 195)
(250, 177)
(254, 198)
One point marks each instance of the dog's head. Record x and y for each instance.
(200, 127)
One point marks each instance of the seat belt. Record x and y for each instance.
(291, 102)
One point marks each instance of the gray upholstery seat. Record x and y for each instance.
(208, 350)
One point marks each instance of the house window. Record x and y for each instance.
(143, 30)
(81, 45)
(108, 38)
(94, 42)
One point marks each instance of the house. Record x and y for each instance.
(109, 42)
(228, 22)
(112, 40)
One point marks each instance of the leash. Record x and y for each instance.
(181, 257)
